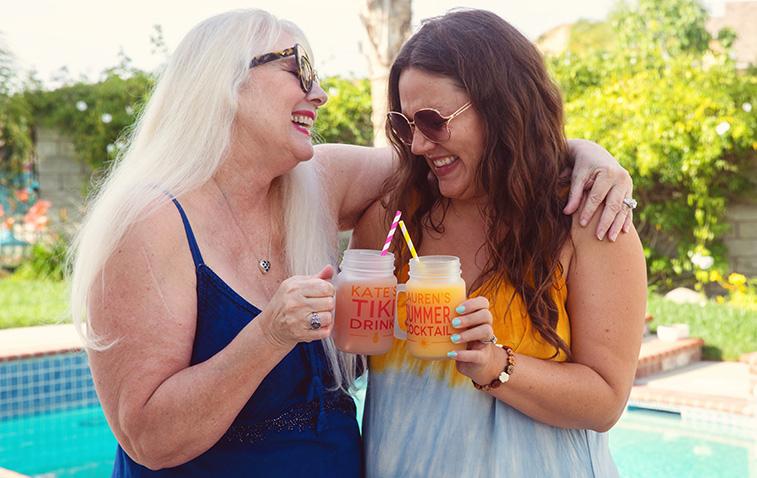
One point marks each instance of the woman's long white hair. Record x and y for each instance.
(178, 143)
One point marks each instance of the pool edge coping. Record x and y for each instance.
(38, 341)
(6, 473)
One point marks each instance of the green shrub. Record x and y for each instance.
(15, 120)
(346, 118)
(46, 261)
(728, 331)
(678, 116)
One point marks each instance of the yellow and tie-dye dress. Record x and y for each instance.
(424, 419)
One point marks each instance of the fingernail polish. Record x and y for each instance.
(452, 354)
(456, 322)
(583, 222)
(455, 338)
(460, 309)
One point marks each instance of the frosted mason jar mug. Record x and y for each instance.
(433, 291)
(366, 291)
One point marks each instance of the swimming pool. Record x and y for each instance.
(77, 443)
(51, 425)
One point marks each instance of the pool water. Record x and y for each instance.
(77, 443)
(69, 443)
(655, 444)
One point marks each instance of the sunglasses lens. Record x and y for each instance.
(401, 127)
(432, 125)
(305, 71)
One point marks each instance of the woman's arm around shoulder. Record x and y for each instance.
(353, 178)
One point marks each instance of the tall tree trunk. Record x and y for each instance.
(387, 25)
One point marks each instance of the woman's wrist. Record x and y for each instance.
(505, 365)
(260, 327)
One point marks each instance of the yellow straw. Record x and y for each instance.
(407, 239)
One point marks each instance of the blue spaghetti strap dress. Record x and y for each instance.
(292, 426)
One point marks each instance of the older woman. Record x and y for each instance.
(477, 124)
(202, 268)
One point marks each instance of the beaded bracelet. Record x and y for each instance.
(504, 376)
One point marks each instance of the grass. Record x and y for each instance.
(27, 302)
(727, 331)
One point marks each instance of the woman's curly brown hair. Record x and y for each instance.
(524, 155)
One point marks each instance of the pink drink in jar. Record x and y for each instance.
(366, 290)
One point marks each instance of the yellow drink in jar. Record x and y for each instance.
(434, 290)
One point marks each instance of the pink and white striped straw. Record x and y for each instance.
(391, 233)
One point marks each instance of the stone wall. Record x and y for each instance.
(742, 240)
(62, 178)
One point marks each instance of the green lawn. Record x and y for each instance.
(25, 302)
(727, 331)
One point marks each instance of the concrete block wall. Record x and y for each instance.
(62, 178)
(742, 240)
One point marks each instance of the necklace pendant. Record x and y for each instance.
(264, 266)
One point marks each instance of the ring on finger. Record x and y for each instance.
(631, 203)
(491, 340)
(315, 321)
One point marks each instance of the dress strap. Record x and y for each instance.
(196, 256)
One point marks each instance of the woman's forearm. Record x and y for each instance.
(190, 411)
(562, 394)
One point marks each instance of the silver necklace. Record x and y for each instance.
(264, 263)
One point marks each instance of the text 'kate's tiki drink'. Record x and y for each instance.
(366, 291)
(434, 290)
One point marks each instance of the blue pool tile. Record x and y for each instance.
(44, 384)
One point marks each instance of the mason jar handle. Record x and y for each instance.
(398, 332)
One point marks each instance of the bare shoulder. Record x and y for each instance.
(159, 238)
(589, 258)
(147, 276)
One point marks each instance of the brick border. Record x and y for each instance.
(41, 353)
(751, 360)
(649, 397)
(668, 356)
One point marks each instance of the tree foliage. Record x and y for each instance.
(97, 115)
(92, 115)
(677, 114)
(15, 119)
(346, 118)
